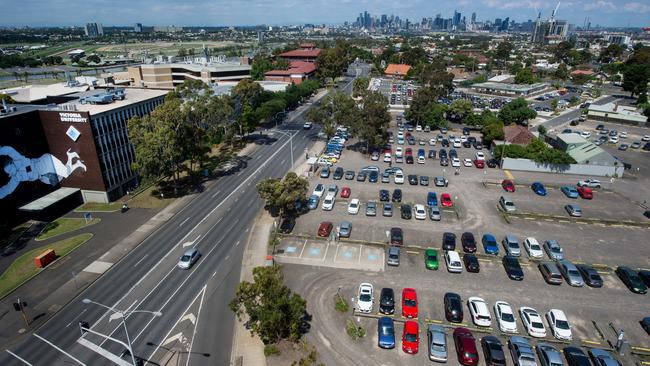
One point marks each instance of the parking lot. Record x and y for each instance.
(398, 92)
(474, 210)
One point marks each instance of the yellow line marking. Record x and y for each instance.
(590, 342)
(508, 174)
(641, 349)
(412, 252)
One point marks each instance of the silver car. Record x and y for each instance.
(511, 245)
(345, 228)
(188, 258)
(437, 342)
(371, 209)
(548, 355)
(434, 213)
(507, 205)
(521, 351)
(570, 273)
(573, 210)
(553, 249)
(601, 357)
(393, 256)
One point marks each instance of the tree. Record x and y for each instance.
(541, 129)
(554, 104)
(493, 131)
(7, 98)
(336, 109)
(274, 312)
(516, 111)
(636, 72)
(360, 85)
(332, 62)
(525, 76)
(93, 58)
(414, 56)
(460, 109)
(503, 51)
(372, 124)
(182, 52)
(580, 79)
(436, 78)
(281, 195)
(435, 117)
(611, 53)
(260, 66)
(562, 72)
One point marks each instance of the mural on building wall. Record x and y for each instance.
(47, 168)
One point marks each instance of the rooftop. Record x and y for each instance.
(397, 69)
(619, 110)
(516, 134)
(315, 52)
(501, 78)
(212, 67)
(508, 87)
(295, 67)
(133, 95)
(49, 199)
(35, 93)
(20, 108)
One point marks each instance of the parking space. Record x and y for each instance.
(398, 92)
(330, 253)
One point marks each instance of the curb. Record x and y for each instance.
(96, 220)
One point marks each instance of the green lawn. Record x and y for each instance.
(13, 235)
(64, 225)
(23, 268)
(99, 207)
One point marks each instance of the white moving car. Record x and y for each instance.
(467, 162)
(505, 317)
(328, 202)
(455, 162)
(454, 265)
(318, 191)
(353, 206)
(480, 155)
(480, 311)
(533, 248)
(399, 178)
(559, 324)
(366, 297)
(420, 212)
(532, 322)
(591, 183)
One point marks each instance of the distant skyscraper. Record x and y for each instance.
(137, 28)
(456, 19)
(94, 30)
(260, 37)
(473, 18)
(505, 24)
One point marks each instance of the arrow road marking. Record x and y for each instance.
(189, 317)
(189, 243)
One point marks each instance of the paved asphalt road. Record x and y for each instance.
(217, 222)
(566, 118)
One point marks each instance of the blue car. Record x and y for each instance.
(313, 202)
(490, 244)
(373, 176)
(539, 188)
(386, 332)
(570, 191)
(432, 199)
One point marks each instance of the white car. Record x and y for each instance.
(399, 152)
(505, 317)
(366, 297)
(457, 143)
(307, 125)
(432, 141)
(480, 311)
(480, 155)
(318, 191)
(387, 158)
(353, 206)
(399, 178)
(467, 162)
(463, 138)
(585, 134)
(591, 183)
(420, 212)
(645, 138)
(454, 265)
(533, 248)
(323, 161)
(622, 135)
(418, 128)
(455, 162)
(559, 324)
(328, 202)
(532, 322)
(613, 139)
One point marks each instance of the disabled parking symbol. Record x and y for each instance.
(314, 251)
(347, 254)
(372, 257)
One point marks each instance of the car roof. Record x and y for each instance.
(453, 255)
(511, 238)
(519, 340)
(409, 292)
(489, 236)
(190, 251)
(393, 250)
(410, 325)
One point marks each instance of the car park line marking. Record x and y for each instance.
(303, 248)
(283, 161)
(216, 193)
(238, 241)
(589, 341)
(412, 252)
(508, 174)
(640, 349)
(19, 358)
(325, 255)
(214, 274)
(141, 259)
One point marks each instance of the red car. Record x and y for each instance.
(409, 151)
(325, 228)
(508, 185)
(409, 303)
(445, 200)
(585, 192)
(465, 347)
(479, 163)
(411, 337)
(408, 134)
(345, 192)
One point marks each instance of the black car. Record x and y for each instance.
(631, 279)
(492, 163)
(493, 351)
(513, 268)
(466, 143)
(453, 153)
(472, 140)
(645, 276)
(338, 173)
(409, 159)
(387, 301)
(361, 177)
(405, 211)
(349, 175)
(287, 225)
(424, 180)
(373, 176)
(468, 242)
(453, 307)
(576, 357)
(432, 154)
(478, 146)
(444, 162)
(466, 131)
(397, 195)
(413, 179)
(445, 142)
(384, 195)
(590, 275)
(396, 236)
(443, 153)
(448, 241)
(411, 141)
(645, 324)
(471, 263)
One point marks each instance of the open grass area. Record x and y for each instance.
(99, 207)
(64, 225)
(13, 235)
(149, 199)
(23, 268)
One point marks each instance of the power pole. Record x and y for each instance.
(20, 306)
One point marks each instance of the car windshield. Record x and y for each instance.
(455, 264)
(364, 297)
(507, 317)
(410, 337)
(561, 324)
(185, 258)
(438, 347)
(471, 355)
(432, 257)
(537, 325)
(409, 302)
(534, 247)
(573, 272)
(594, 277)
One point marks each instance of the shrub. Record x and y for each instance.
(355, 332)
(271, 350)
(341, 304)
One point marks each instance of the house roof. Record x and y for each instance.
(516, 134)
(313, 53)
(397, 69)
(585, 152)
(295, 67)
(582, 72)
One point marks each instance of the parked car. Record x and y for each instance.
(448, 241)
(384, 195)
(397, 195)
(570, 191)
(328, 203)
(387, 301)
(312, 204)
(591, 183)
(532, 322)
(432, 199)
(319, 190)
(471, 263)
(576, 357)
(479, 311)
(411, 337)
(365, 298)
(521, 351)
(550, 273)
(434, 213)
(505, 317)
(453, 307)
(511, 245)
(490, 244)
(513, 268)
(431, 259)
(601, 357)
(573, 210)
(440, 181)
(396, 236)
(507, 205)
(465, 347)
(559, 325)
(553, 249)
(349, 175)
(437, 343)
(325, 228)
(386, 332)
(570, 273)
(548, 355)
(420, 212)
(338, 174)
(346, 192)
(353, 206)
(371, 208)
(590, 275)
(585, 193)
(392, 259)
(405, 211)
(409, 303)
(468, 242)
(445, 200)
(508, 185)
(493, 351)
(631, 279)
(538, 188)
(452, 259)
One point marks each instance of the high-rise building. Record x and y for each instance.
(456, 19)
(137, 27)
(94, 30)
(473, 18)
(505, 24)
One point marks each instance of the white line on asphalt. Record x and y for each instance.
(198, 315)
(19, 358)
(247, 229)
(283, 161)
(102, 352)
(216, 193)
(59, 349)
(141, 259)
(326, 249)
(214, 274)
(228, 257)
(76, 317)
(126, 311)
(238, 241)
(184, 221)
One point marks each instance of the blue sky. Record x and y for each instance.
(273, 12)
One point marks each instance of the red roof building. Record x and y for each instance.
(297, 72)
(518, 135)
(303, 54)
(397, 70)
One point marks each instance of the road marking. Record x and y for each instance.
(189, 243)
(238, 241)
(283, 161)
(138, 262)
(227, 257)
(102, 352)
(189, 317)
(184, 221)
(508, 174)
(176, 337)
(19, 358)
(76, 317)
(58, 349)
(215, 195)
(247, 230)
(214, 274)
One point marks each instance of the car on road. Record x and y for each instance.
(570, 273)
(559, 325)
(576, 357)
(452, 259)
(409, 303)
(365, 298)
(573, 210)
(453, 307)
(570, 191)
(307, 125)
(411, 337)
(387, 301)
(490, 245)
(189, 257)
(548, 355)
(437, 343)
(538, 188)
(325, 228)
(386, 332)
(465, 347)
(479, 311)
(553, 249)
(420, 212)
(353, 206)
(511, 245)
(601, 357)
(393, 256)
(532, 322)
(508, 185)
(431, 259)
(468, 242)
(513, 268)
(586, 193)
(471, 263)
(345, 229)
(591, 183)
(440, 181)
(521, 351)
(590, 275)
(631, 279)
(533, 248)
(328, 203)
(312, 204)
(550, 273)
(507, 205)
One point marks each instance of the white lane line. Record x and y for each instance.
(238, 241)
(228, 257)
(214, 274)
(234, 224)
(102, 352)
(184, 221)
(198, 315)
(76, 317)
(19, 358)
(126, 311)
(216, 194)
(141, 259)
(283, 161)
(247, 229)
(59, 349)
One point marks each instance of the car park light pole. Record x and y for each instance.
(123, 314)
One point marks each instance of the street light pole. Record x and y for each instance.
(290, 144)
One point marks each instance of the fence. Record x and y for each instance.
(579, 169)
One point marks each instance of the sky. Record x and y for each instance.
(634, 13)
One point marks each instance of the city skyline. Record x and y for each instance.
(613, 13)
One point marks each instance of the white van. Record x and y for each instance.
(454, 265)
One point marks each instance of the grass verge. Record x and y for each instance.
(64, 225)
(23, 268)
(149, 199)
(99, 207)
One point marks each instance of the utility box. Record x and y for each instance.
(45, 258)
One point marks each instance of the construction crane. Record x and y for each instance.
(555, 11)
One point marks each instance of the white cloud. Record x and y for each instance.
(599, 5)
(636, 7)
(505, 5)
